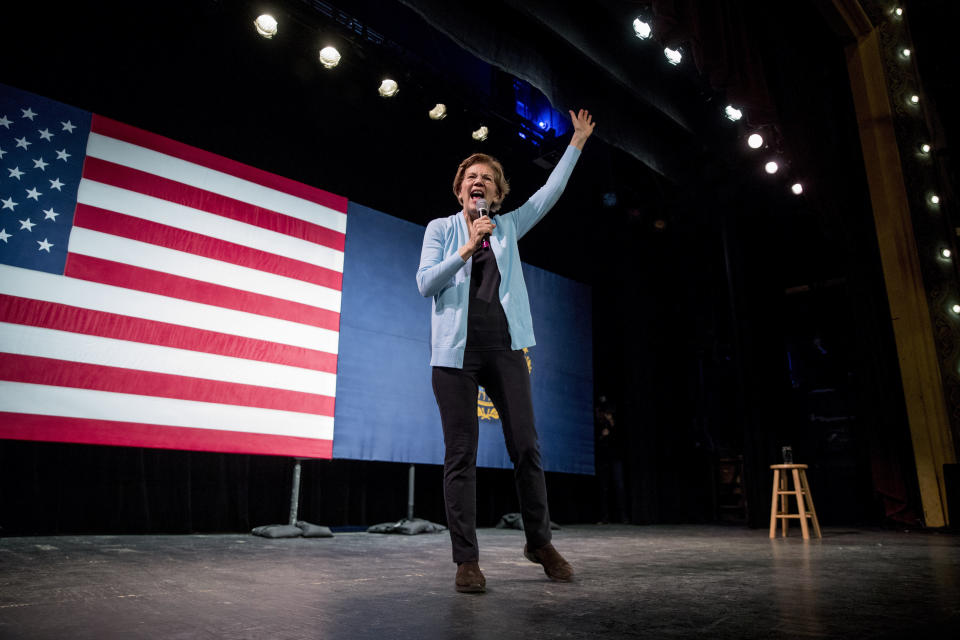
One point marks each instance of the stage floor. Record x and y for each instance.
(633, 581)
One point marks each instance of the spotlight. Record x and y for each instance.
(934, 199)
(733, 113)
(898, 11)
(771, 167)
(905, 53)
(914, 99)
(266, 25)
(956, 309)
(925, 148)
(641, 29)
(542, 125)
(673, 55)
(439, 112)
(797, 188)
(945, 253)
(755, 141)
(388, 88)
(480, 134)
(329, 57)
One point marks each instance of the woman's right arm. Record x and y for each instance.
(436, 269)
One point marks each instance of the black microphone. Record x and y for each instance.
(483, 210)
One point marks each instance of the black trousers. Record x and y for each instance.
(505, 377)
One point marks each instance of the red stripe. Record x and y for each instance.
(149, 184)
(20, 426)
(161, 235)
(50, 315)
(125, 132)
(139, 279)
(79, 375)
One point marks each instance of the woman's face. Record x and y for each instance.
(477, 183)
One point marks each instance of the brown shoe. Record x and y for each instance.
(553, 563)
(470, 579)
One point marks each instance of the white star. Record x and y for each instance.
(15, 173)
(33, 193)
(56, 184)
(51, 214)
(28, 113)
(26, 224)
(4, 235)
(62, 154)
(68, 126)
(2, 153)
(44, 246)
(9, 204)
(40, 164)
(45, 135)
(4, 122)
(22, 142)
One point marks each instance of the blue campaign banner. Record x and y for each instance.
(385, 409)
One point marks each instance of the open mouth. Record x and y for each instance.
(476, 194)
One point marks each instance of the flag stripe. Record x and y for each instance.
(66, 318)
(21, 426)
(195, 175)
(26, 283)
(18, 397)
(121, 275)
(42, 342)
(178, 239)
(136, 136)
(17, 368)
(200, 199)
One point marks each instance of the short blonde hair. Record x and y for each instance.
(503, 187)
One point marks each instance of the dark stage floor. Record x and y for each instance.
(653, 581)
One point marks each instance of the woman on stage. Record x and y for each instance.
(470, 266)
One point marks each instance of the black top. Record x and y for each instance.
(486, 322)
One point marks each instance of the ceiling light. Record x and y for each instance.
(673, 55)
(797, 188)
(641, 29)
(733, 113)
(329, 57)
(925, 148)
(480, 134)
(755, 141)
(946, 253)
(266, 25)
(934, 199)
(439, 112)
(388, 88)
(771, 167)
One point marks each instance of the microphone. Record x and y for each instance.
(484, 212)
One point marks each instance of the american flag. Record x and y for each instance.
(153, 294)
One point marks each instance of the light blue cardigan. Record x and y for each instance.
(446, 277)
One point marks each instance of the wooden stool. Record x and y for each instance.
(781, 486)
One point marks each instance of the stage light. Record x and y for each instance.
(480, 134)
(641, 29)
(329, 57)
(771, 167)
(934, 199)
(542, 125)
(439, 112)
(388, 88)
(266, 25)
(905, 53)
(898, 11)
(673, 55)
(797, 188)
(925, 148)
(733, 113)
(956, 309)
(755, 141)
(914, 99)
(945, 253)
